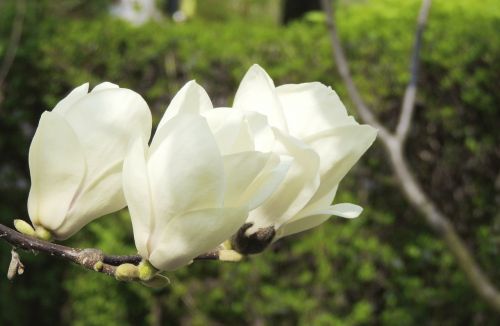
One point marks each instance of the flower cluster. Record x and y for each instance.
(231, 178)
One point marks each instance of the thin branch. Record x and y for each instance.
(442, 225)
(90, 258)
(116, 260)
(15, 38)
(408, 105)
(338, 51)
(408, 183)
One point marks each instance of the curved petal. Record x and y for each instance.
(191, 98)
(104, 122)
(295, 191)
(310, 108)
(104, 195)
(268, 181)
(262, 133)
(185, 168)
(257, 93)
(308, 222)
(193, 233)
(313, 207)
(346, 210)
(301, 225)
(57, 168)
(71, 98)
(230, 130)
(104, 86)
(251, 177)
(137, 192)
(339, 149)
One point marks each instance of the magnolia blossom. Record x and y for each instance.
(193, 187)
(77, 153)
(311, 125)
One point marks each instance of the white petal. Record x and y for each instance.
(67, 102)
(257, 93)
(316, 205)
(310, 108)
(194, 233)
(345, 210)
(185, 168)
(230, 130)
(102, 196)
(104, 86)
(137, 192)
(191, 98)
(251, 177)
(339, 149)
(268, 181)
(308, 222)
(301, 225)
(104, 122)
(57, 168)
(262, 133)
(294, 193)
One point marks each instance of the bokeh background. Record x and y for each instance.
(385, 268)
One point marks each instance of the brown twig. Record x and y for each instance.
(393, 144)
(16, 267)
(90, 258)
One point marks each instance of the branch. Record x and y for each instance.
(343, 67)
(408, 106)
(15, 37)
(90, 258)
(393, 144)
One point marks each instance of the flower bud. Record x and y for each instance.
(127, 272)
(229, 255)
(146, 270)
(98, 266)
(24, 227)
(42, 233)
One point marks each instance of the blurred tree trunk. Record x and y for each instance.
(173, 6)
(296, 9)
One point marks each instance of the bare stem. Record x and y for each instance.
(344, 71)
(408, 105)
(393, 144)
(89, 258)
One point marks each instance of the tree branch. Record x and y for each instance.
(393, 143)
(408, 105)
(15, 37)
(90, 258)
(343, 68)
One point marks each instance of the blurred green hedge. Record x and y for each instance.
(385, 267)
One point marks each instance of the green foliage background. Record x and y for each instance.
(385, 267)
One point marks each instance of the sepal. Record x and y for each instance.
(157, 282)
(253, 243)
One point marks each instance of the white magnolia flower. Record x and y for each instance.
(311, 125)
(77, 153)
(192, 189)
